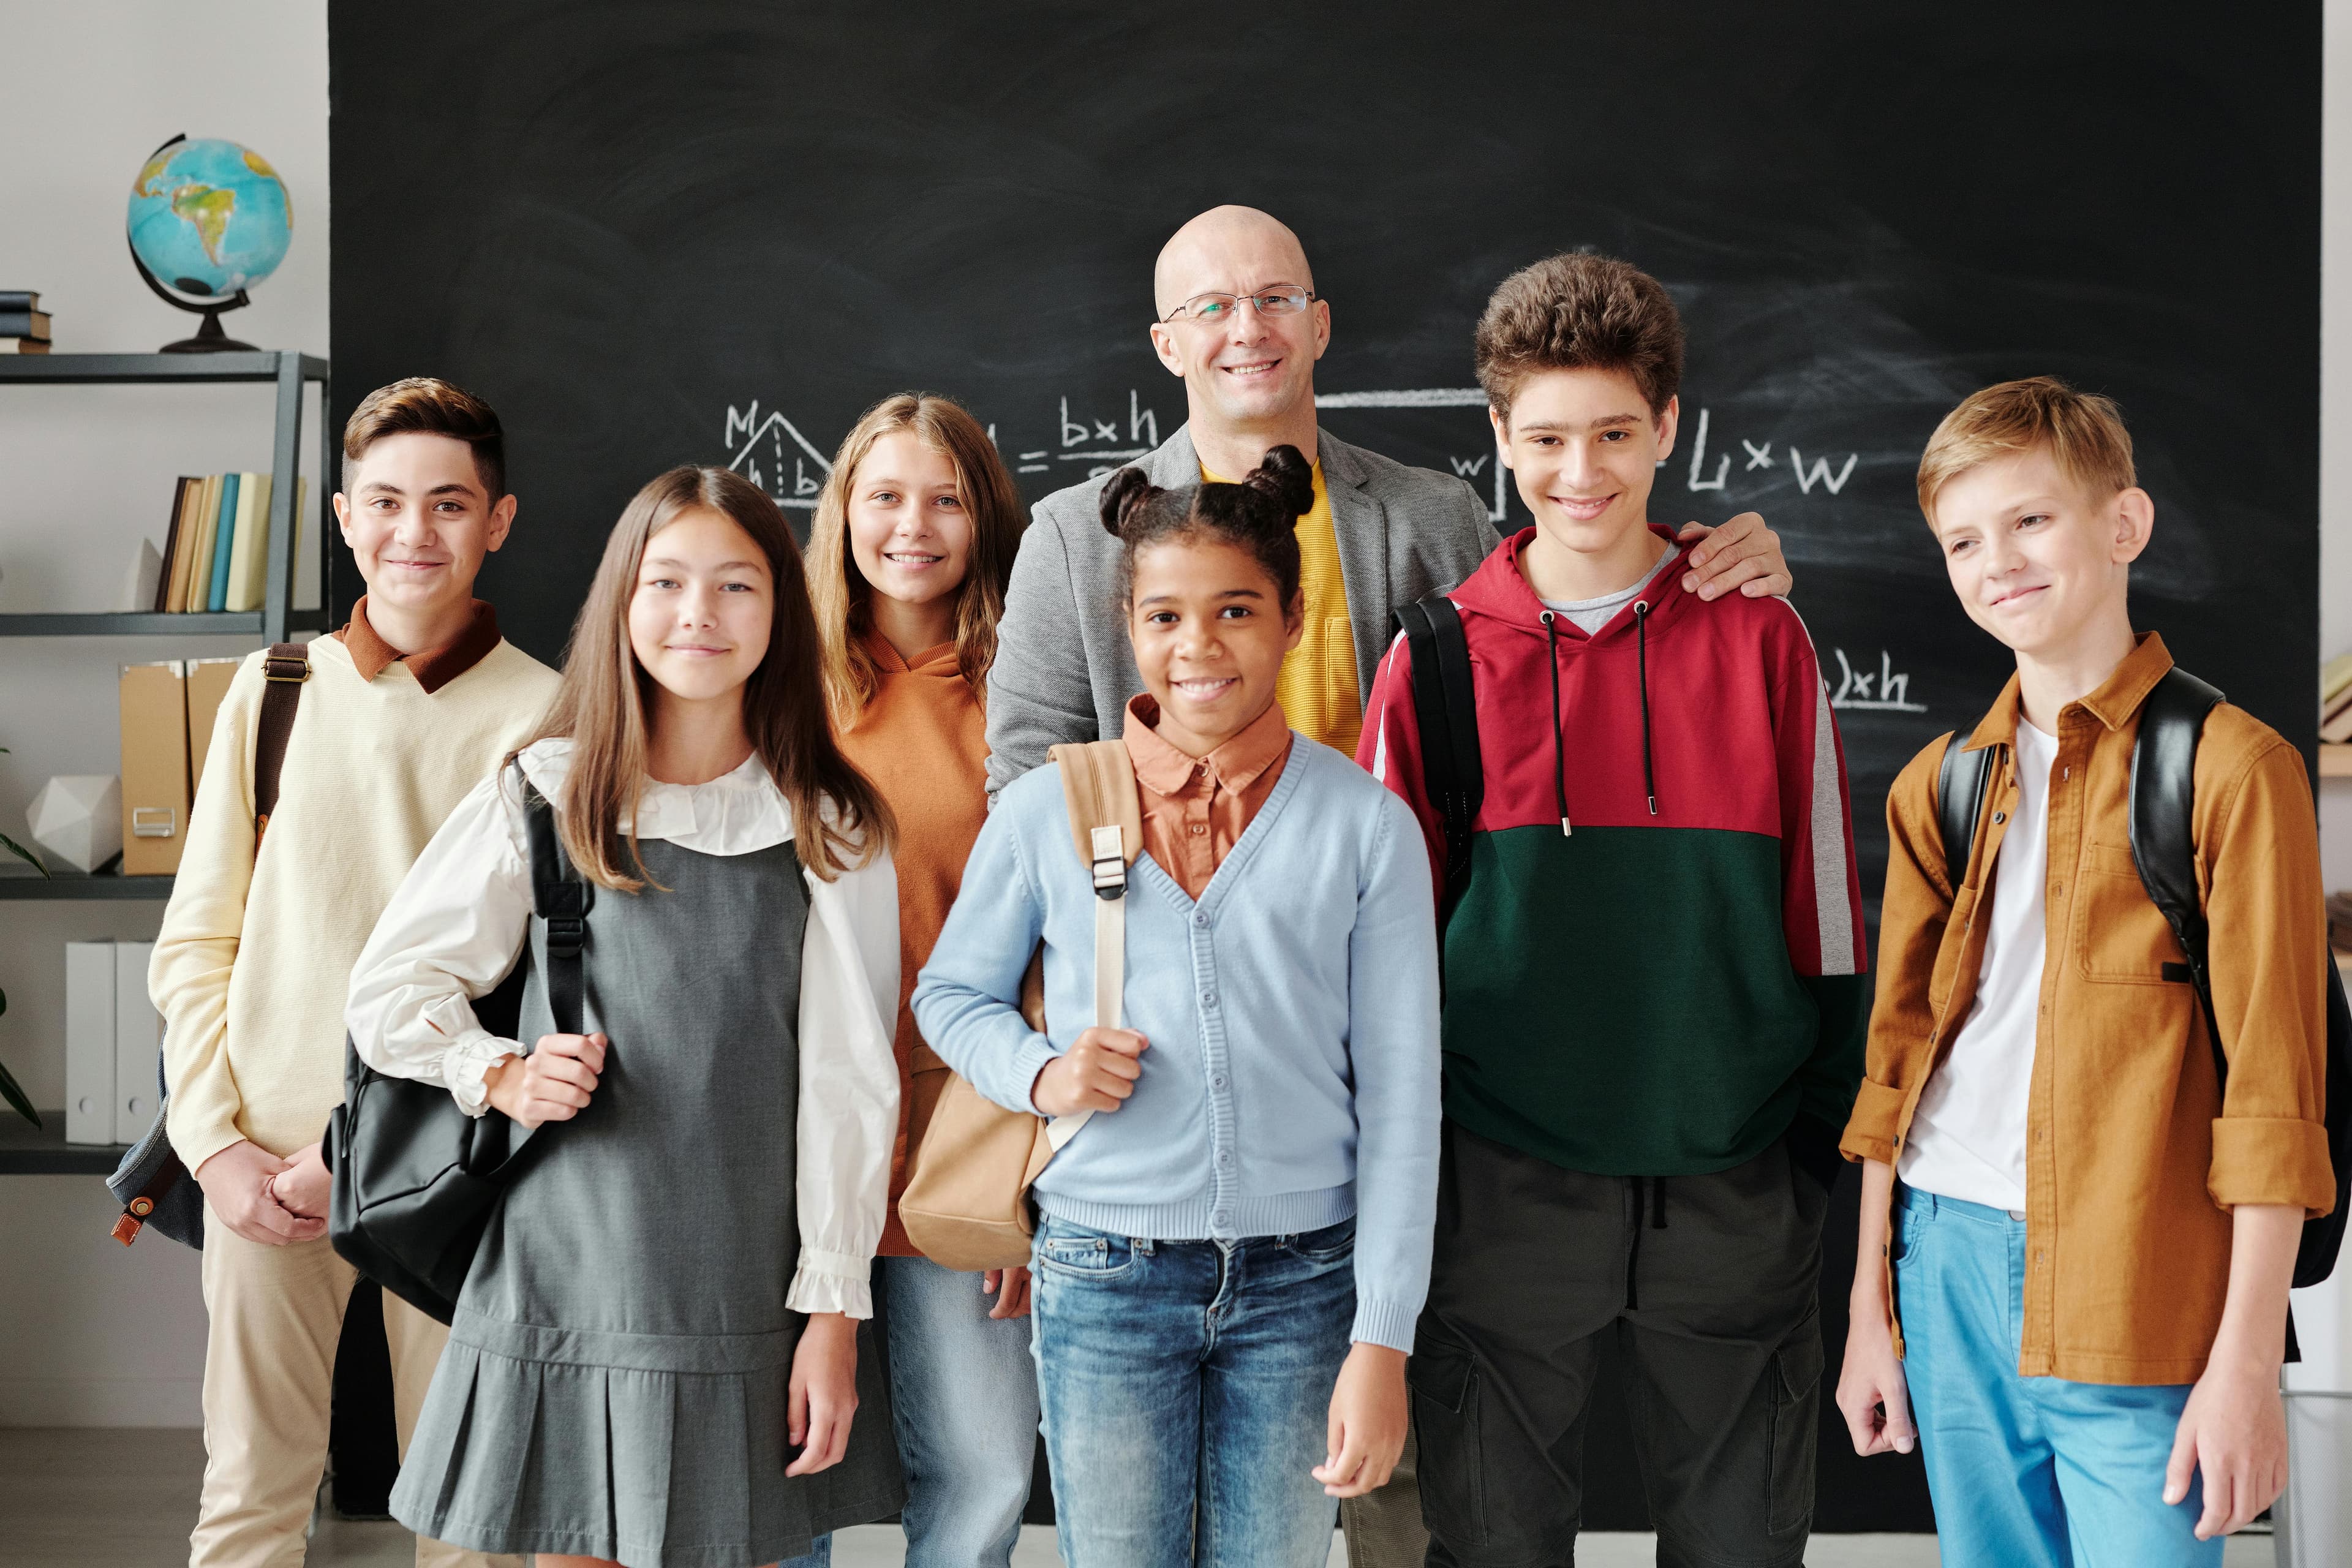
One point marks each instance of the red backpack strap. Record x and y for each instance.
(283, 670)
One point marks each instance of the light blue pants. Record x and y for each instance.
(963, 1392)
(1186, 1387)
(2026, 1472)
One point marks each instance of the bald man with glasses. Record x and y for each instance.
(1239, 321)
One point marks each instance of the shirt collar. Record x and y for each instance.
(2117, 699)
(1234, 766)
(434, 668)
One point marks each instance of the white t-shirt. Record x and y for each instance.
(1967, 1136)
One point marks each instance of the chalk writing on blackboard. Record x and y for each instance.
(1887, 691)
(772, 451)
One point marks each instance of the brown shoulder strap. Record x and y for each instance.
(1098, 785)
(283, 670)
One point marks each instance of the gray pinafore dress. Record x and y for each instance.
(615, 1382)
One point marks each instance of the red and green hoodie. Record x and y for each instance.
(1657, 967)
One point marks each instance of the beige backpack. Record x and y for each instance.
(966, 1205)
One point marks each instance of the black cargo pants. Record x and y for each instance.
(1706, 1285)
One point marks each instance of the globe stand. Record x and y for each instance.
(209, 338)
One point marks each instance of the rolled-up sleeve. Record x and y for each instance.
(2264, 906)
(1911, 921)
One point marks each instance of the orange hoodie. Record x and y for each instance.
(923, 741)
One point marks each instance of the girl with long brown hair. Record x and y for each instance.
(909, 554)
(655, 1357)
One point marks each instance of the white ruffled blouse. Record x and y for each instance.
(458, 924)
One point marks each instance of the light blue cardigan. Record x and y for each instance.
(1292, 1075)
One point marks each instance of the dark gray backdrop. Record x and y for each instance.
(714, 232)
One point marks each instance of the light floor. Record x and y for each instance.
(93, 1497)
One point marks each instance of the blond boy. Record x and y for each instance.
(2090, 1250)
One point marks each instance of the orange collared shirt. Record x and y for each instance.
(2132, 1161)
(1196, 808)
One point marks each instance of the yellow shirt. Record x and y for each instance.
(1317, 686)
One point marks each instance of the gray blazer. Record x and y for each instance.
(1064, 670)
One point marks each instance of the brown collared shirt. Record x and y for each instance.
(434, 668)
(1196, 808)
(2132, 1161)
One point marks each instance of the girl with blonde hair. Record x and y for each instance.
(909, 554)
(655, 1357)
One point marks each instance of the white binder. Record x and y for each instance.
(138, 1036)
(89, 1042)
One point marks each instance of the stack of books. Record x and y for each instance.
(2335, 700)
(24, 325)
(216, 545)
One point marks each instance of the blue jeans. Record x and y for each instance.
(2027, 1472)
(1186, 1387)
(963, 1394)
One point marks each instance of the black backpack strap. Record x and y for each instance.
(1960, 782)
(560, 897)
(1445, 711)
(2163, 845)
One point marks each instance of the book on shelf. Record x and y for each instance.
(170, 543)
(216, 544)
(24, 345)
(2335, 679)
(248, 565)
(224, 541)
(20, 299)
(2336, 728)
(23, 324)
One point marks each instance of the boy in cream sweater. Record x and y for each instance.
(407, 707)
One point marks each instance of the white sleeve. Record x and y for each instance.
(848, 1120)
(453, 931)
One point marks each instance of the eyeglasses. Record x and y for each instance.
(1215, 308)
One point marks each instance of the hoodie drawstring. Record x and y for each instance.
(1656, 1217)
(1642, 641)
(1558, 761)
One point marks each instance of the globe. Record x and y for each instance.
(209, 217)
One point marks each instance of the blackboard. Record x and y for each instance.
(714, 232)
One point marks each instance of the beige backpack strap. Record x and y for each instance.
(1107, 830)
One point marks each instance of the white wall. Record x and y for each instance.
(90, 1334)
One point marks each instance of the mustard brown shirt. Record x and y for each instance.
(2132, 1161)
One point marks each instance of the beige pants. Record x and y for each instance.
(269, 1365)
(1384, 1529)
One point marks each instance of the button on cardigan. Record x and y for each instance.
(1292, 1074)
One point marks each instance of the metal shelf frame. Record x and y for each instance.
(290, 372)
(108, 887)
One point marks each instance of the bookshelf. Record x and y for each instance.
(2335, 761)
(29, 1150)
(276, 621)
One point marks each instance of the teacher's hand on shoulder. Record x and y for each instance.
(552, 1083)
(1743, 554)
(1097, 1073)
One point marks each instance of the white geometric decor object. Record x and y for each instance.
(78, 819)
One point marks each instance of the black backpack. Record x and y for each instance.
(2164, 759)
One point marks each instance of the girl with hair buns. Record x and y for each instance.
(655, 1359)
(909, 554)
(1231, 1253)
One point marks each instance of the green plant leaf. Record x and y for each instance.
(22, 853)
(16, 1098)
